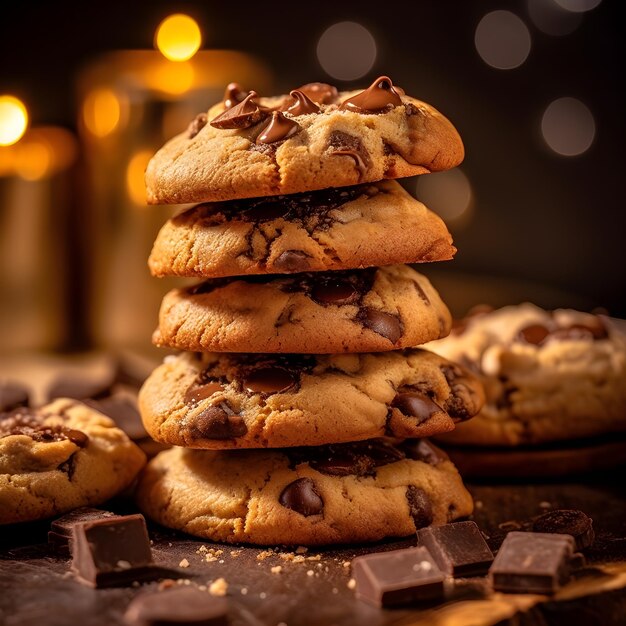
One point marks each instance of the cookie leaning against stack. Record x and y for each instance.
(303, 332)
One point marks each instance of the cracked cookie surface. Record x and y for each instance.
(60, 457)
(224, 401)
(369, 310)
(548, 376)
(334, 494)
(266, 149)
(333, 229)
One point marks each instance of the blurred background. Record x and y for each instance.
(88, 91)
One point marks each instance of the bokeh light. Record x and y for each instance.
(178, 37)
(13, 120)
(568, 127)
(346, 51)
(34, 159)
(172, 78)
(553, 19)
(449, 194)
(102, 112)
(578, 6)
(135, 171)
(502, 40)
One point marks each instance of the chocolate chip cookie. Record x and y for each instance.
(59, 457)
(313, 138)
(306, 496)
(332, 229)
(368, 310)
(548, 376)
(222, 401)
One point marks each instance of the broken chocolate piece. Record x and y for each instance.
(184, 606)
(278, 128)
(13, 395)
(567, 522)
(111, 551)
(220, 422)
(243, 115)
(61, 529)
(398, 577)
(532, 563)
(379, 97)
(301, 496)
(458, 549)
(122, 409)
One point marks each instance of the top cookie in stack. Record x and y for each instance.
(300, 243)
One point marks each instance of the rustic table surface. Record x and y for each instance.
(37, 589)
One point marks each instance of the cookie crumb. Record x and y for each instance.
(346, 563)
(235, 553)
(261, 556)
(317, 557)
(301, 550)
(201, 549)
(352, 584)
(168, 583)
(277, 569)
(184, 563)
(218, 587)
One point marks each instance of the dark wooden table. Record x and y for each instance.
(37, 589)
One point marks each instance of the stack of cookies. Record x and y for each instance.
(299, 402)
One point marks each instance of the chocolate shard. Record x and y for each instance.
(532, 563)
(13, 395)
(398, 577)
(243, 115)
(459, 549)
(111, 552)
(567, 522)
(62, 528)
(302, 497)
(184, 606)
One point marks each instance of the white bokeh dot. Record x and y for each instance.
(553, 19)
(449, 194)
(502, 40)
(578, 6)
(346, 51)
(568, 127)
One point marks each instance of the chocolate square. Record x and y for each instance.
(397, 577)
(458, 549)
(62, 528)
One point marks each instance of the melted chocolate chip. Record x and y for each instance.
(423, 450)
(462, 403)
(196, 393)
(243, 115)
(384, 324)
(302, 497)
(416, 404)
(337, 292)
(420, 506)
(322, 93)
(269, 380)
(533, 334)
(278, 128)
(292, 261)
(220, 422)
(233, 95)
(196, 125)
(303, 105)
(25, 422)
(77, 437)
(344, 144)
(379, 97)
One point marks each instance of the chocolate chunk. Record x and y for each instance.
(220, 422)
(243, 115)
(77, 437)
(184, 606)
(379, 97)
(384, 324)
(123, 410)
(397, 577)
(111, 551)
(532, 563)
(196, 125)
(344, 144)
(233, 95)
(337, 292)
(533, 334)
(423, 450)
(303, 105)
(292, 261)
(27, 422)
(196, 393)
(416, 404)
(278, 128)
(13, 395)
(567, 522)
(462, 403)
(80, 387)
(320, 92)
(458, 549)
(420, 506)
(269, 380)
(62, 528)
(302, 497)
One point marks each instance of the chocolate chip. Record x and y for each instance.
(349, 145)
(196, 394)
(77, 437)
(462, 403)
(302, 105)
(416, 404)
(533, 334)
(379, 97)
(292, 261)
(220, 422)
(302, 497)
(13, 395)
(320, 92)
(233, 95)
(269, 380)
(243, 115)
(384, 324)
(277, 129)
(337, 292)
(567, 522)
(423, 450)
(196, 125)
(420, 506)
